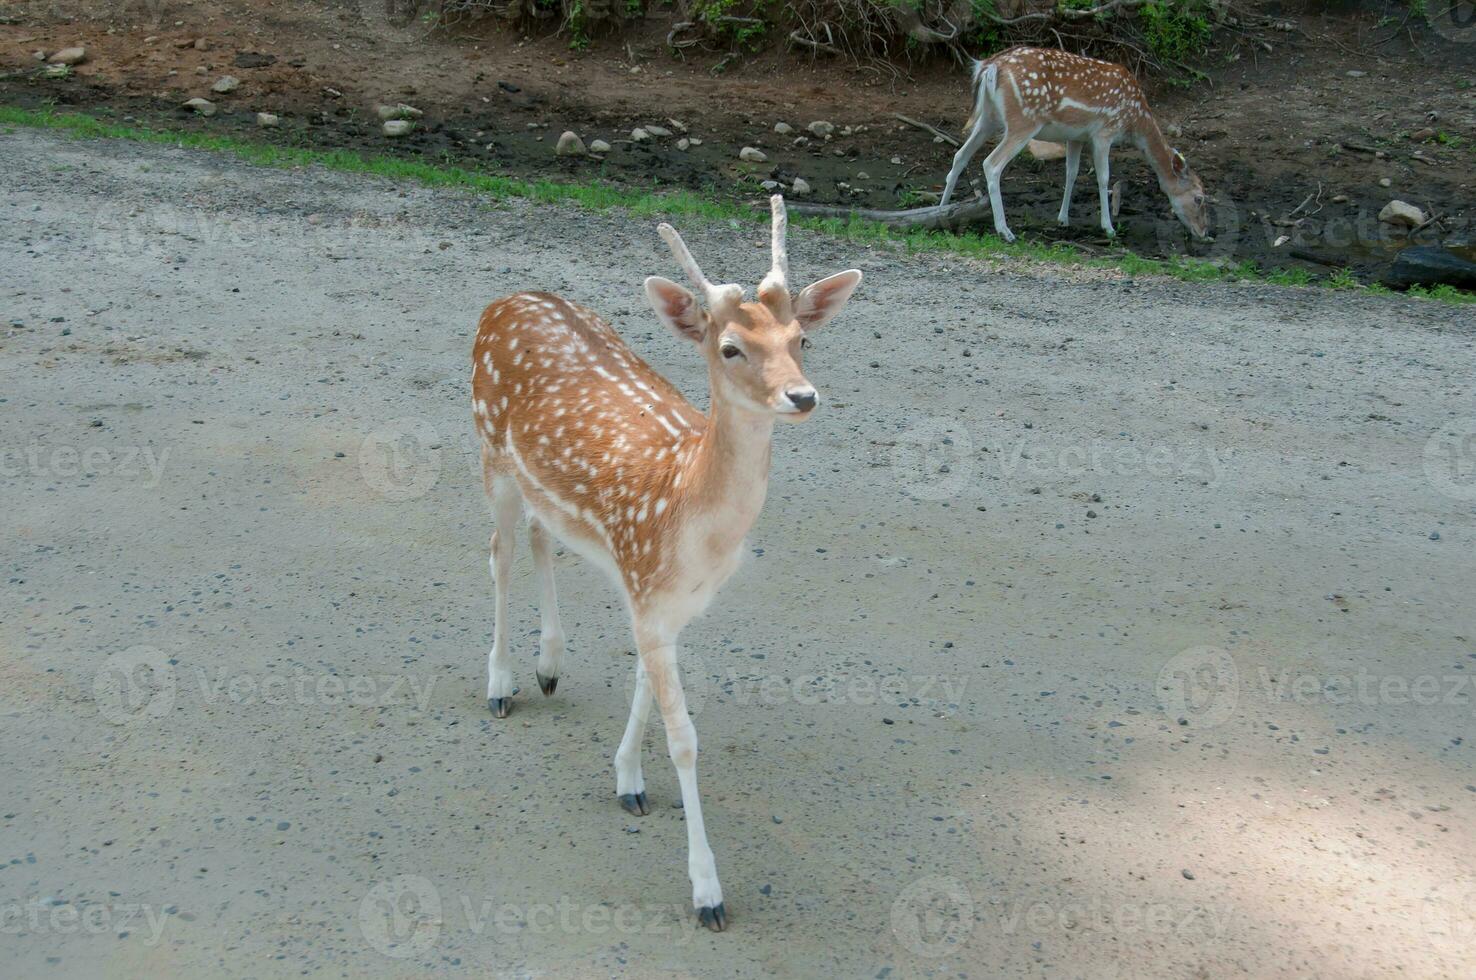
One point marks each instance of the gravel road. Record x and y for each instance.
(1093, 627)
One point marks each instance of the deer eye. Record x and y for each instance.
(731, 351)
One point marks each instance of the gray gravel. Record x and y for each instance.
(952, 724)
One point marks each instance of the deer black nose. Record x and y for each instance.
(803, 399)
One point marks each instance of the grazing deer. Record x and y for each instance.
(1025, 93)
(609, 457)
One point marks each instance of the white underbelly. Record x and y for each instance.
(1056, 133)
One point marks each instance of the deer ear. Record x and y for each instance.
(1181, 166)
(820, 301)
(676, 307)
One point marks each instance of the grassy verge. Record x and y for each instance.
(603, 197)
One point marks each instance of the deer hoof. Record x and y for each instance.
(635, 804)
(546, 684)
(500, 706)
(715, 917)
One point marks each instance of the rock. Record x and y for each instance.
(1188, 875)
(1042, 150)
(69, 56)
(399, 111)
(1385, 182)
(752, 155)
(1340, 199)
(694, 141)
(267, 120)
(397, 127)
(770, 185)
(1355, 73)
(57, 71)
(1430, 265)
(201, 44)
(800, 187)
(862, 175)
(639, 135)
(896, 161)
(39, 55)
(202, 106)
(599, 146)
(678, 125)
(658, 131)
(821, 128)
(683, 143)
(570, 145)
(227, 83)
(1402, 213)
(783, 128)
(1420, 135)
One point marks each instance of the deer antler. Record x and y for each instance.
(714, 295)
(774, 290)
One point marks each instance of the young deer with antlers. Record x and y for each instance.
(1026, 93)
(609, 457)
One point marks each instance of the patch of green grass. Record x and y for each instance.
(1342, 279)
(681, 203)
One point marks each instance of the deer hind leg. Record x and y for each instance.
(1073, 166)
(659, 658)
(961, 159)
(630, 784)
(999, 158)
(507, 508)
(551, 633)
(1102, 163)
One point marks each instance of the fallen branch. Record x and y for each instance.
(932, 129)
(954, 215)
(797, 36)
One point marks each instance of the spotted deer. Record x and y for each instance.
(606, 455)
(1025, 93)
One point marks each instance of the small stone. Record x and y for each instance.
(1434, 535)
(1355, 73)
(398, 127)
(227, 83)
(640, 135)
(863, 175)
(1420, 135)
(695, 141)
(800, 187)
(683, 143)
(57, 71)
(202, 106)
(570, 145)
(658, 130)
(896, 161)
(821, 128)
(770, 185)
(1402, 213)
(39, 55)
(599, 146)
(1188, 875)
(1340, 199)
(783, 128)
(69, 56)
(752, 155)
(398, 111)
(267, 120)
(201, 44)
(1385, 182)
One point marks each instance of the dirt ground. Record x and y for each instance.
(1293, 141)
(1093, 628)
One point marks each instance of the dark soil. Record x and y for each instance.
(1292, 143)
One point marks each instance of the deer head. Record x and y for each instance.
(754, 350)
(1186, 195)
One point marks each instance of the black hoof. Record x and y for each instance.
(715, 918)
(500, 706)
(546, 684)
(635, 804)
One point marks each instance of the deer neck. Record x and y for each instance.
(1149, 139)
(729, 470)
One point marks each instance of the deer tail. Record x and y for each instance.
(986, 76)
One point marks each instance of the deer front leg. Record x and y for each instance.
(551, 635)
(507, 506)
(1101, 163)
(1073, 165)
(630, 784)
(681, 742)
